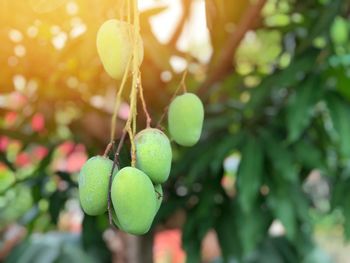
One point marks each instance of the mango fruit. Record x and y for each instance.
(115, 47)
(93, 185)
(185, 119)
(153, 154)
(134, 200)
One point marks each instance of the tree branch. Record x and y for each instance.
(224, 65)
(186, 7)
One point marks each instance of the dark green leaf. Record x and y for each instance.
(224, 147)
(308, 155)
(322, 22)
(252, 227)
(287, 77)
(340, 113)
(280, 158)
(281, 203)
(300, 107)
(227, 231)
(250, 172)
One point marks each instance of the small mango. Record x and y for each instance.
(153, 154)
(185, 119)
(115, 46)
(93, 185)
(134, 200)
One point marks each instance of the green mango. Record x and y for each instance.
(159, 195)
(153, 154)
(115, 47)
(185, 119)
(93, 185)
(134, 200)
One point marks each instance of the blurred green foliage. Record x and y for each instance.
(285, 109)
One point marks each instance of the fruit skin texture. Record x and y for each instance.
(134, 200)
(185, 119)
(115, 46)
(93, 185)
(158, 191)
(153, 154)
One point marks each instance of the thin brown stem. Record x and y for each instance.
(115, 164)
(181, 85)
(108, 149)
(148, 117)
(118, 101)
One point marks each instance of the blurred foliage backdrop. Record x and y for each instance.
(275, 148)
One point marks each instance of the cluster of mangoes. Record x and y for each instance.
(136, 192)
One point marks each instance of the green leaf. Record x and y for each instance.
(250, 173)
(346, 212)
(283, 78)
(92, 240)
(57, 202)
(340, 199)
(281, 203)
(7, 178)
(199, 220)
(227, 231)
(340, 114)
(252, 228)
(300, 107)
(274, 250)
(322, 22)
(225, 146)
(281, 159)
(308, 155)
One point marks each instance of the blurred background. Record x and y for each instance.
(269, 180)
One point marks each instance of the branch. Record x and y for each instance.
(224, 65)
(186, 7)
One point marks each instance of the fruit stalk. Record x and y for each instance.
(135, 78)
(148, 117)
(108, 149)
(118, 100)
(166, 108)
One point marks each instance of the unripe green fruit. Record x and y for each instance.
(185, 119)
(115, 46)
(153, 154)
(134, 200)
(339, 31)
(93, 185)
(159, 195)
